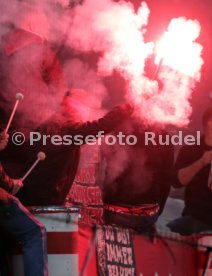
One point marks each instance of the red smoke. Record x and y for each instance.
(115, 30)
(181, 61)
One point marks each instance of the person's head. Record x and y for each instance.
(207, 120)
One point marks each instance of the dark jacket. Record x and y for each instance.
(198, 197)
(138, 174)
(6, 185)
(5, 181)
(50, 181)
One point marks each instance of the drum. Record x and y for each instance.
(62, 233)
(205, 255)
(140, 218)
(168, 254)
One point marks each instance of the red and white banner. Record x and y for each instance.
(62, 246)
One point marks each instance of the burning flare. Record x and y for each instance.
(179, 59)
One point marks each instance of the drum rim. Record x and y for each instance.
(53, 209)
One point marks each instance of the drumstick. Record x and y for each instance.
(19, 97)
(40, 156)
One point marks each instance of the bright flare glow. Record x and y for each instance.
(117, 32)
(177, 48)
(179, 71)
(126, 50)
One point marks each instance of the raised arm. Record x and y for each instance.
(106, 124)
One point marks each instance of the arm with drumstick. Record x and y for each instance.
(14, 185)
(6, 183)
(4, 135)
(9, 184)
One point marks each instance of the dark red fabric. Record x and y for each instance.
(85, 235)
(164, 257)
(150, 257)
